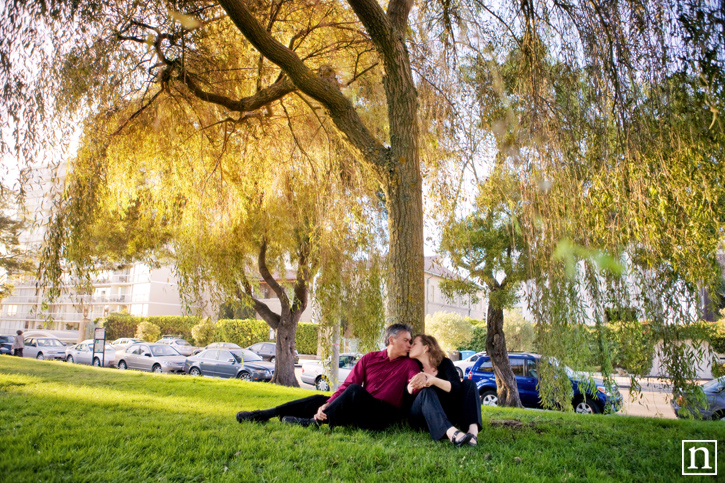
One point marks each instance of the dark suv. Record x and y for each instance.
(588, 398)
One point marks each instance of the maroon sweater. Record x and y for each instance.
(382, 378)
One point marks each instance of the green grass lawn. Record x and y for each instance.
(63, 422)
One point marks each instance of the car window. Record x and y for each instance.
(210, 355)
(226, 355)
(517, 366)
(474, 357)
(250, 356)
(532, 369)
(163, 351)
(485, 366)
(181, 342)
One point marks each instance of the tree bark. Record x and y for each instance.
(398, 166)
(508, 392)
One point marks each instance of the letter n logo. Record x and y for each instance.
(699, 457)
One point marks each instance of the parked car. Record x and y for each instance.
(6, 344)
(714, 392)
(123, 342)
(463, 366)
(150, 357)
(82, 353)
(585, 399)
(314, 373)
(181, 346)
(229, 362)
(268, 351)
(44, 348)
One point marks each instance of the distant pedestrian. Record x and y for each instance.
(19, 344)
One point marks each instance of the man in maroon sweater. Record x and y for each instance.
(370, 398)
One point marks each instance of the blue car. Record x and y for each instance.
(586, 399)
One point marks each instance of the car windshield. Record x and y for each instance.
(225, 355)
(182, 342)
(249, 356)
(49, 343)
(163, 350)
(714, 384)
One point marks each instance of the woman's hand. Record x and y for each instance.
(420, 380)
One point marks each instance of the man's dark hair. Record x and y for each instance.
(394, 330)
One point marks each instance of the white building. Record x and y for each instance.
(138, 289)
(435, 301)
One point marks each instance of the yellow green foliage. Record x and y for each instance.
(449, 328)
(148, 332)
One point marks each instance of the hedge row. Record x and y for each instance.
(124, 325)
(244, 332)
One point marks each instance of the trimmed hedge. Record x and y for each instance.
(243, 332)
(306, 338)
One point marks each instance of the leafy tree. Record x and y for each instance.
(451, 329)
(14, 258)
(489, 246)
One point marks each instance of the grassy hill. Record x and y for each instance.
(63, 422)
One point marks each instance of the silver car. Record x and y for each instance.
(150, 357)
(313, 372)
(82, 353)
(44, 348)
(181, 346)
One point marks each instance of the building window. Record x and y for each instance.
(12, 310)
(431, 293)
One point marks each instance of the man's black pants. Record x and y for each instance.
(354, 407)
(427, 411)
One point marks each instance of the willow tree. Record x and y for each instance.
(489, 247)
(610, 114)
(245, 62)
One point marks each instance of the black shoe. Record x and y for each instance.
(251, 416)
(459, 439)
(304, 422)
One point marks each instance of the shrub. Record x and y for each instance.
(174, 325)
(204, 332)
(120, 325)
(449, 328)
(242, 332)
(520, 333)
(148, 332)
(306, 338)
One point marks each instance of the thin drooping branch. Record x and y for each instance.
(340, 108)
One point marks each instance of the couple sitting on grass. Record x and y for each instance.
(375, 394)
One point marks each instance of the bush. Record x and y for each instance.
(242, 332)
(174, 325)
(204, 332)
(449, 328)
(306, 338)
(148, 332)
(120, 325)
(520, 333)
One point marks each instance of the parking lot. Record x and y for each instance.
(653, 401)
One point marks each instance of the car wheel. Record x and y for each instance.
(322, 384)
(40, 356)
(156, 369)
(489, 398)
(69, 359)
(97, 362)
(719, 416)
(271, 359)
(460, 372)
(586, 406)
(244, 376)
(194, 371)
(122, 365)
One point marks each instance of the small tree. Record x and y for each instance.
(449, 328)
(489, 246)
(148, 332)
(204, 332)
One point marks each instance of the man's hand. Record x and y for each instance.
(321, 416)
(420, 380)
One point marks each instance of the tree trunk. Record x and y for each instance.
(508, 392)
(284, 363)
(406, 287)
